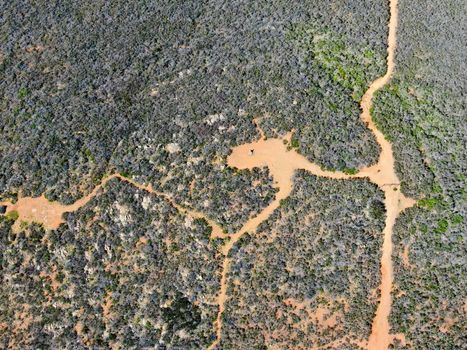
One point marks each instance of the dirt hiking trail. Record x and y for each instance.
(282, 164)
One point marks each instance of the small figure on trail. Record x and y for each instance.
(252, 151)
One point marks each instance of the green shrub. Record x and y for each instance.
(23, 92)
(442, 226)
(12, 215)
(294, 143)
(428, 203)
(350, 171)
(457, 219)
(377, 209)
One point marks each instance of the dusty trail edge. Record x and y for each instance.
(282, 164)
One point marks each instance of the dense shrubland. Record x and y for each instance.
(84, 84)
(320, 248)
(126, 270)
(430, 270)
(160, 91)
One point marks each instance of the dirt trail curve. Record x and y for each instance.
(282, 164)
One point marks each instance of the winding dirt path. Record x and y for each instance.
(50, 214)
(383, 174)
(282, 164)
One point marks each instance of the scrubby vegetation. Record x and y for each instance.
(160, 91)
(125, 271)
(308, 277)
(429, 298)
(335, 75)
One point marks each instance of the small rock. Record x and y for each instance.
(172, 148)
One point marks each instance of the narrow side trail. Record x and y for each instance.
(50, 214)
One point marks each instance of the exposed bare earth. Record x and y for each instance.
(384, 174)
(282, 164)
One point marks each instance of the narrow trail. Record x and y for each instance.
(282, 164)
(50, 214)
(395, 201)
